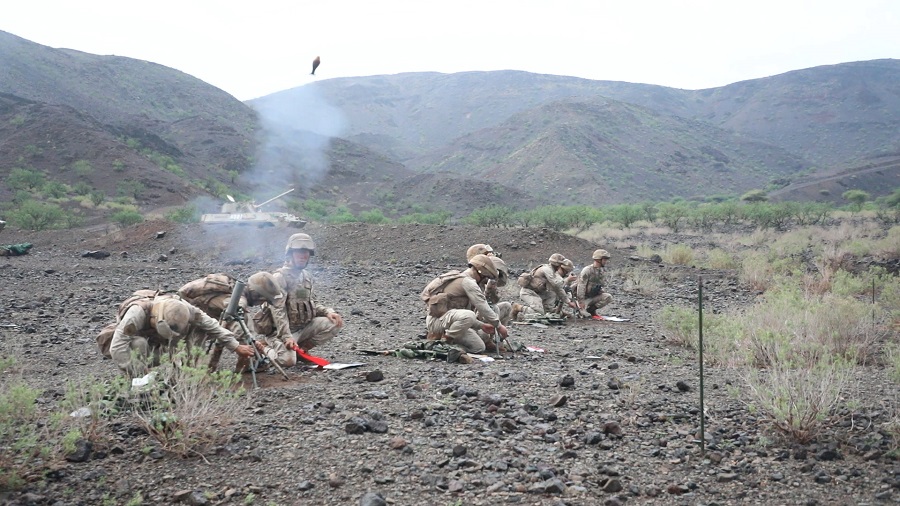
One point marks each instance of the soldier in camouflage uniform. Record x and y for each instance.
(296, 320)
(589, 292)
(212, 293)
(545, 290)
(146, 324)
(464, 309)
(492, 288)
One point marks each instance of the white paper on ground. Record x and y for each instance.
(337, 366)
(483, 358)
(143, 381)
(615, 319)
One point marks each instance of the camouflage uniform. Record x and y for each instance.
(589, 290)
(296, 316)
(545, 294)
(469, 310)
(137, 332)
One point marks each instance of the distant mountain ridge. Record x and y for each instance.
(430, 141)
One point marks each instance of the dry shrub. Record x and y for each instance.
(678, 254)
(717, 258)
(682, 324)
(888, 248)
(641, 280)
(645, 251)
(798, 398)
(756, 271)
(186, 408)
(811, 326)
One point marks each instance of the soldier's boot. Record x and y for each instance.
(214, 358)
(465, 359)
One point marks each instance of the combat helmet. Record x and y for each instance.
(261, 287)
(556, 260)
(502, 270)
(300, 241)
(171, 317)
(484, 266)
(600, 254)
(479, 249)
(567, 266)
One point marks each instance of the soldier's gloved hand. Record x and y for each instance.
(504, 333)
(487, 328)
(244, 350)
(289, 343)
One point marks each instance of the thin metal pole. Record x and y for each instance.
(700, 346)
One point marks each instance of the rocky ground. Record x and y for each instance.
(608, 414)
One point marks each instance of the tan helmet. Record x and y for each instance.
(261, 287)
(567, 266)
(171, 317)
(502, 270)
(556, 260)
(479, 249)
(600, 254)
(300, 241)
(484, 266)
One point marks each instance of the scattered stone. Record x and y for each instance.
(613, 366)
(82, 451)
(567, 381)
(726, 477)
(682, 386)
(162, 258)
(678, 489)
(98, 254)
(612, 428)
(558, 401)
(374, 376)
(459, 450)
(828, 454)
(611, 485)
(160, 234)
(355, 425)
(335, 480)
(614, 384)
(378, 426)
(372, 499)
(397, 443)
(305, 485)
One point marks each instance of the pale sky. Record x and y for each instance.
(251, 49)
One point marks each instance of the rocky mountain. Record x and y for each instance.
(429, 141)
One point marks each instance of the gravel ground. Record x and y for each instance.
(608, 414)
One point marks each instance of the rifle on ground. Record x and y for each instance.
(234, 312)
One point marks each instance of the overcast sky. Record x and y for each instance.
(251, 49)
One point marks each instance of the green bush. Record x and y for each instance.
(82, 188)
(55, 189)
(491, 216)
(24, 179)
(438, 218)
(374, 216)
(97, 197)
(127, 217)
(33, 215)
(185, 214)
(83, 168)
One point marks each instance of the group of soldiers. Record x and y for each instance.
(464, 310)
(288, 320)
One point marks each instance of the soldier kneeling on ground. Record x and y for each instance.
(452, 300)
(212, 293)
(147, 324)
